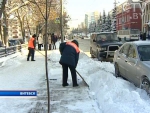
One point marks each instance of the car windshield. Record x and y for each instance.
(107, 37)
(144, 51)
(14, 42)
(134, 32)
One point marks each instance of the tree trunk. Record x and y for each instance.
(5, 28)
(1, 12)
(2, 7)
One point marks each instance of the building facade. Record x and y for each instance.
(91, 17)
(129, 16)
(146, 17)
(14, 30)
(86, 20)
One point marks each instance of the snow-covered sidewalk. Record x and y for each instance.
(18, 74)
(68, 99)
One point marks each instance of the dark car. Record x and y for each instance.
(103, 45)
(14, 43)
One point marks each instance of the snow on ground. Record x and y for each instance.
(106, 92)
(112, 94)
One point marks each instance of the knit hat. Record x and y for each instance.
(76, 42)
(34, 35)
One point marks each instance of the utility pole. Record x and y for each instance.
(46, 67)
(62, 35)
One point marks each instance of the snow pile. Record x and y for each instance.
(113, 94)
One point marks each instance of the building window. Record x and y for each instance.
(119, 21)
(124, 18)
(146, 18)
(129, 18)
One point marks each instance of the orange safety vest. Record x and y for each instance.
(31, 41)
(74, 46)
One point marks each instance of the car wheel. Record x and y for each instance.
(117, 72)
(145, 84)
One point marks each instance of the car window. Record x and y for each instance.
(144, 51)
(106, 37)
(14, 42)
(124, 49)
(132, 52)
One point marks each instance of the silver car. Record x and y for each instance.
(132, 61)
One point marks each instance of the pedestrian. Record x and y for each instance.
(31, 47)
(69, 59)
(59, 37)
(54, 40)
(141, 36)
(144, 36)
(64, 38)
(40, 41)
(49, 41)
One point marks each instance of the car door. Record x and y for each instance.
(131, 64)
(121, 58)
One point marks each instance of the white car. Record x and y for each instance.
(132, 61)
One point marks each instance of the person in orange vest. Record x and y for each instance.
(31, 47)
(69, 59)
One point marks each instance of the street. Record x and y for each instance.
(84, 45)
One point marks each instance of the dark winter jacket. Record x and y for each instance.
(53, 38)
(144, 36)
(69, 54)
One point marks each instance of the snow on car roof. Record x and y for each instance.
(140, 42)
(101, 32)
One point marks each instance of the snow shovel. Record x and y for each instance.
(39, 52)
(82, 78)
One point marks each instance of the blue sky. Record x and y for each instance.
(78, 8)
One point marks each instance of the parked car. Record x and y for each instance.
(132, 61)
(103, 45)
(14, 43)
